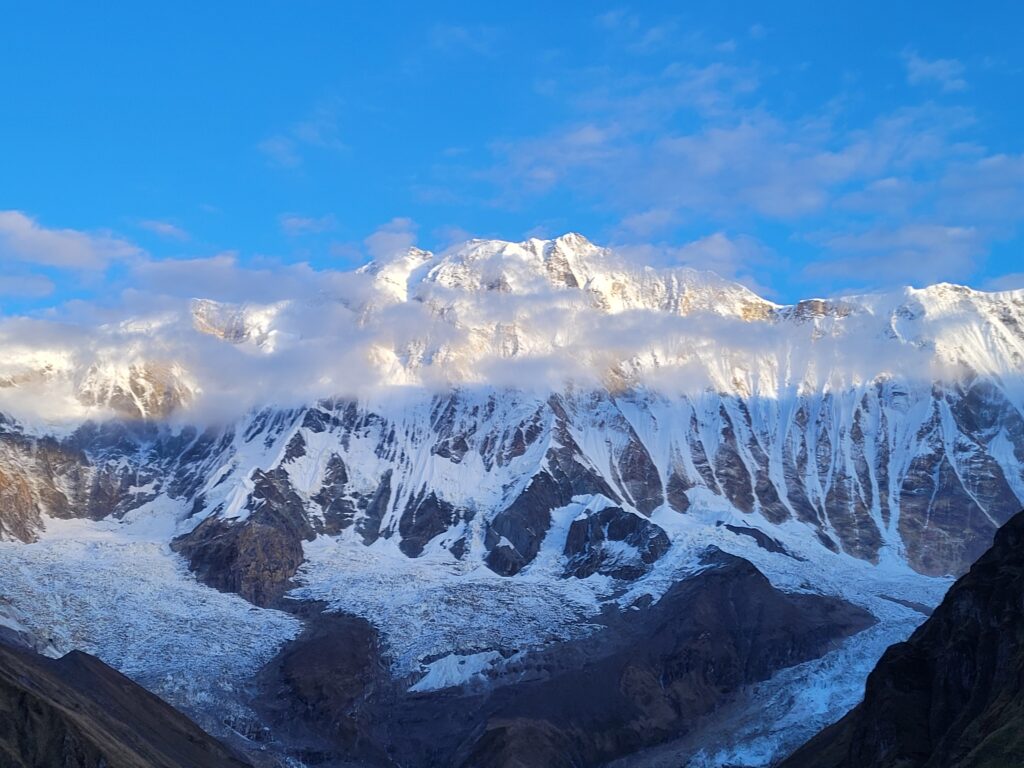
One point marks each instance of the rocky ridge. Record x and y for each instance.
(77, 712)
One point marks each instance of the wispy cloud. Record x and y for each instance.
(747, 161)
(948, 74)
(223, 277)
(295, 224)
(280, 151)
(1011, 282)
(396, 236)
(478, 39)
(617, 18)
(702, 146)
(23, 239)
(912, 253)
(650, 222)
(740, 258)
(164, 229)
(320, 130)
(640, 36)
(26, 286)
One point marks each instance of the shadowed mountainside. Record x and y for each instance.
(76, 712)
(644, 677)
(952, 696)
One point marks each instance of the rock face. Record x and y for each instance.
(316, 693)
(615, 543)
(104, 470)
(953, 694)
(929, 473)
(76, 712)
(254, 557)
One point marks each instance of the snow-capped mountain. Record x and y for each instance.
(539, 430)
(863, 418)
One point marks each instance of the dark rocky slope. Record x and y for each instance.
(256, 558)
(76, 712)
(650, 674)
(655, 672)
(952, 696)
(316, 694)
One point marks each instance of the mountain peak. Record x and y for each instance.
(606, 279)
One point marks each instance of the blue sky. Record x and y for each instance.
(801, 150)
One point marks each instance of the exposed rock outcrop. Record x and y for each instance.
(515, 534)
(652, 674)
(615, 543)
(426, 517)
(316, 694)
(254, 557)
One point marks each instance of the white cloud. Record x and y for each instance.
(26, 286)
(1011, 282)
(320, 333)
(702, 146)
(988, 189)
(223, 277)
(317, 131)
(912, 253)
(650, 222)
(740, 258)
(295, 224)
(22, 238)
(946, 73)
(396, 236)
(164, 229)
(451, 235)
(280, 151)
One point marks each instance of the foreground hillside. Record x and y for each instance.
(76, 712)
(952, 696)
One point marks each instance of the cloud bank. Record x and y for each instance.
(214, 337)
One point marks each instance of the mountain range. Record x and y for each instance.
(514, 478)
